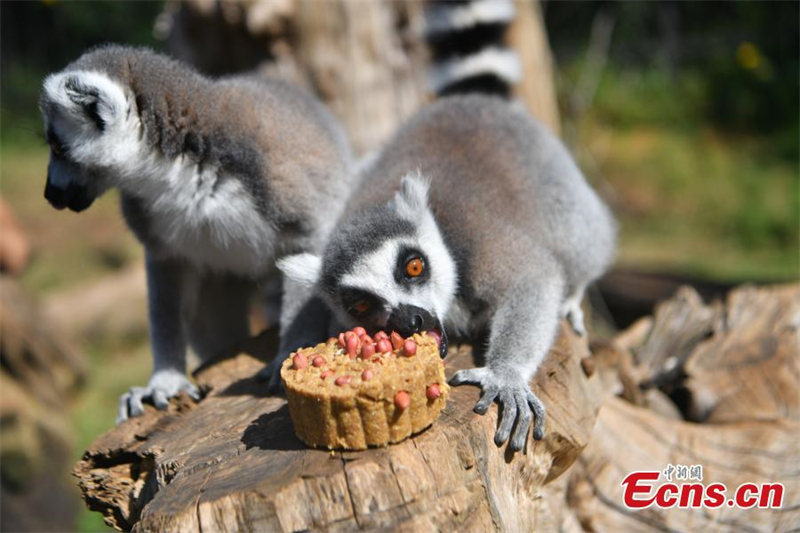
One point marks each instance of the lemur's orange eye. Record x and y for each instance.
(415, 267)
(361, 307)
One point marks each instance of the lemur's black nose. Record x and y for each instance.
(55, 195)
(408, 319)
(75, 197)
(69, 193)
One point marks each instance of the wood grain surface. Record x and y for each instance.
(232, 462)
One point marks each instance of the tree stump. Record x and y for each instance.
(233, 462)
(343, 50)
(712, 385)
(715, 385)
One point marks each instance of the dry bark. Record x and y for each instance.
(528, 37)
(735, 367)
(366, 60)
(232, 461)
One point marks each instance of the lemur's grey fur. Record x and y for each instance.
(524, 231)
(509, 231)
(217, 178)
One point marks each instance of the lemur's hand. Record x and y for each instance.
(163, 385)
(272, 374)
(516, 399)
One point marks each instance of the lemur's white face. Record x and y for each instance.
(87, 121)
(403, 278)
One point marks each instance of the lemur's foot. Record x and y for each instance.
(162, 386)
(515, 398)
(574, 314)
(272, 375)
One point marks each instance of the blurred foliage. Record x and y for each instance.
(38, 37)
(691, 131)
(731, 64)
(68, 248)
(695, 202)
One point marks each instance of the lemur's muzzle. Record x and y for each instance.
(409, 319)
(72, 195)
(75, 197)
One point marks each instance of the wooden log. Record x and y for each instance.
(634, 439)
(748, 367)
(629, 294)
(735, 366)
(528, 37)
(367, 61)
(233, 462)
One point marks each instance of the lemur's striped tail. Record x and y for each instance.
(467, 42)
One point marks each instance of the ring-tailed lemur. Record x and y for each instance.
(217, 178)
(493, 232)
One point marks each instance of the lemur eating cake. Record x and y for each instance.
(473, 220)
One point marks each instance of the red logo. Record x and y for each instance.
(641, 490)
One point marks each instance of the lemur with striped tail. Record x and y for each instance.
(473, 220)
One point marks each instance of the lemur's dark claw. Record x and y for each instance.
(518, 406)
(457, 379)
(520, 437)
(508, 414)
(488, 396)
(539, 412)
(162, 386)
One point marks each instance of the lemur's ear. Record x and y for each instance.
(301, 268)
(89, 97)
(413, 194)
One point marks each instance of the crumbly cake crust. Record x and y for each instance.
(344, 395)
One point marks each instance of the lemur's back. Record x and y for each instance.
(486, 157)
(174, 99)
(497, 247)
(281, 144)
